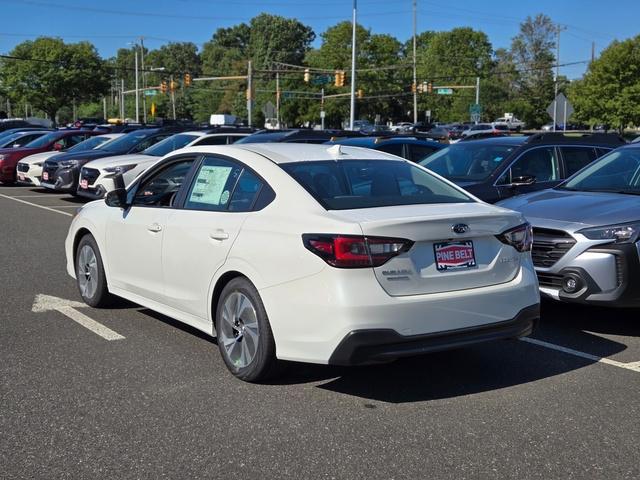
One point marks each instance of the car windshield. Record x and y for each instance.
(44, 140)
(170, 144)
(263, 137)
(467, 161)
(348, 184)
(88, 144)
(124, 144)
(619, 172)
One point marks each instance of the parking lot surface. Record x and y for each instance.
(153, 399)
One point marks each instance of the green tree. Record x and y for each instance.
(609, 93)
(49, 74)
(532, 53)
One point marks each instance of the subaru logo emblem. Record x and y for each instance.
(460, 228)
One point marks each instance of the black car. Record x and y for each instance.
(493, 169)
(63, 171)
(297, 136)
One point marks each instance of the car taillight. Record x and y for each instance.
(520, 237)
(352, 251)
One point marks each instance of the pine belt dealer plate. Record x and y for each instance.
(454, 255)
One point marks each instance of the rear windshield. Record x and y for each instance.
(468, 161)
(347, 184)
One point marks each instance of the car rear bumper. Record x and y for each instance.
(607, 275)
(371, 346)
(311, 317)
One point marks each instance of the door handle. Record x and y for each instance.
(154, 227)
(219, 235)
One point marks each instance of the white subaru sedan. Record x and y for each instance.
(313, 253)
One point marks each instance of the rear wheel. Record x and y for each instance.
(244, 335)
(90, 276)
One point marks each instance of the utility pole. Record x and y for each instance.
(137, 86)
(249, 95)
(144, 83)
(555, 101)
(415, 76)
(122, 110)
(278, 99)
(352, 115)
(104, 107)
(477, 94)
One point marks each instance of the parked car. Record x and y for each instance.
(411, 148)
(7, 133)
(62, 172)
(301, 135)
(96, 177)
(511, 122)
(586, 232)
(365, 253)
(29, 169)
(58, 140)
(497, 168)
(401, 127)
(482, 128)
(20, 139)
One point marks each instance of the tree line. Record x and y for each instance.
(50, 75)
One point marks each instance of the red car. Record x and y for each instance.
(58, 140)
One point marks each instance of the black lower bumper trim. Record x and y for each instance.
(379, 345)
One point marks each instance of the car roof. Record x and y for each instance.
(506, 140)
(281, 153)
(372, 142)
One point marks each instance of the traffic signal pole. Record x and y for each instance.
(352, 115)
(415, 77)
(249, 95)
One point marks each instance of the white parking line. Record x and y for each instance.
(45, 303)
(35, 205)
(634, 366)
(43, 195)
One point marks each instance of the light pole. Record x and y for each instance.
(353, 66)
(415, 76)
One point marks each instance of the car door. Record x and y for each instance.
(134, 236)
(200, 233)
(542, 163)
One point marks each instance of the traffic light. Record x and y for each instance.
(429, 87)
(187, 79)
(360, 93)
(173, 85)
(414, 88)
(307, 75)
(339, 78)
(163, 86)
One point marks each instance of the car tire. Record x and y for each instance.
(90, 276)
(244, 334)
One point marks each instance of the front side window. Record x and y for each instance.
(347, 184)
(213, 185)
(576, 158)
(618, 171)
(161, 189)
(540, 163)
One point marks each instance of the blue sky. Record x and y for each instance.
(111, 25)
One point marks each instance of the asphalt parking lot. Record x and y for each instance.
(153, 399)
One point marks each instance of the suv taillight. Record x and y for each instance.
(520, 237)
(353, 251)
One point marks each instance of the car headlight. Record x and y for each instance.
(2, 157)
(68, 163)
(121, 169)
(624, 233)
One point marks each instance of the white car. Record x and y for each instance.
(96, 177)
(479, 129)
(29, 169)
(313, 253)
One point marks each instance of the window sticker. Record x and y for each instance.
(210, 184)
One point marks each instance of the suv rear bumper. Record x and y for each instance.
(379, 345)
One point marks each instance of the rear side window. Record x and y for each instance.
(343, 185)
(393, 149)
(418, 152)
(576, 158)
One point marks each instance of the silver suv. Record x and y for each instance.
(586, 245)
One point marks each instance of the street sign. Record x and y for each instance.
(322, 114)
(475, 117)
(563, 110)
(150, 93)
(475, 108)
(269, 110)
(322, 79)
(445, 91)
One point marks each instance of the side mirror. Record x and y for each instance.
(117, 198)
(523, 180)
